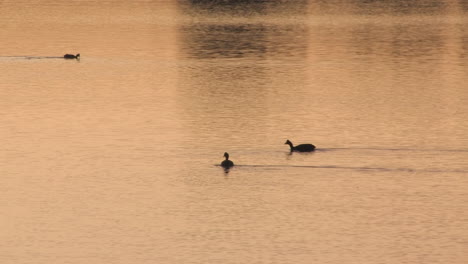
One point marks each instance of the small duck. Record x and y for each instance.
(300, 148)
(227, 163)
(71, 56)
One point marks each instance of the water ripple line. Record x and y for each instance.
(356, 168)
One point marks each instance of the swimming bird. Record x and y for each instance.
(300, 148)
(71, 56)
(227, 163)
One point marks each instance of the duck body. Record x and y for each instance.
(301, 147)
(227, 163)
(71, 56)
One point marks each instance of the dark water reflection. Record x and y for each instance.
(243, 7)
(224, 41)
(399, 7)
(244, 38)
(259, 41)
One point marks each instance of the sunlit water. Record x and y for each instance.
(113, 158)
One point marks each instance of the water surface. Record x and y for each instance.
(113, 158)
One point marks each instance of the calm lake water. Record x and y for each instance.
(114, 158)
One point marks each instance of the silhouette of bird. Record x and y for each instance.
(301, 147)
(71, 56)
(227, 163)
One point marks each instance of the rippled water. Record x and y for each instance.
(113, 158)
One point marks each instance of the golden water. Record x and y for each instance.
(113, 158)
